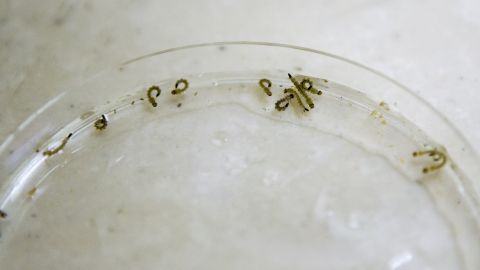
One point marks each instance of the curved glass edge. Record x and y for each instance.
(434, 123)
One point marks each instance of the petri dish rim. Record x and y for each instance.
(433, 122)
(469, 153)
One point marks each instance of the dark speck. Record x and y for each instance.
(179, 105)
(29, 235)
(64, 11)
(59, 21)
(72, 106)
(33, 215)
(222, 48)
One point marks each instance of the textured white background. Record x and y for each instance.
(431, 46)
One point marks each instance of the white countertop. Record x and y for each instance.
(432, 47)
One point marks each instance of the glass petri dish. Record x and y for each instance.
(224, 175)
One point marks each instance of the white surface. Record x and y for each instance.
(430, 46)
(277, 191)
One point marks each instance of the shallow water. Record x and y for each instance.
(223, 180)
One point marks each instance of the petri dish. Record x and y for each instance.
(233, 174)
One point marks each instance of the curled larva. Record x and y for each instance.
(295, 94)
(307, 85)
(265, 84)
(282, 104)
(101, 123)
(184, 86)
(151, 98)
(439, 157)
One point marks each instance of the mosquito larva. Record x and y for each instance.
(58, 148)
(438, 156)
(151, 99)
(302, 91)
(295, 94)
(101, 123)
(307, 85)
(3, 214)
(178, 90)
(282, 104)
(265, 84)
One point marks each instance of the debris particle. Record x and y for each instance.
(3, 214)
(384, 105)
(32, 192)
(85, 115)
(378, 115)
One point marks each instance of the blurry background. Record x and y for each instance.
(431, 46)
